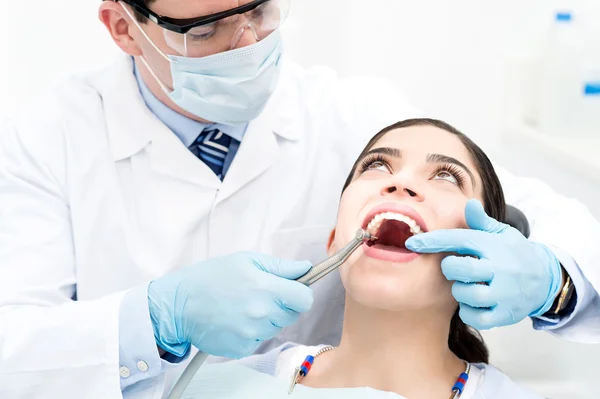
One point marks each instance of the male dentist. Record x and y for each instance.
(130, 197)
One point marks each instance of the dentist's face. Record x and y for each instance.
(167, 41)
(416, 179)
(147, 41)
(126, 31)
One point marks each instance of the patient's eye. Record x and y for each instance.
(446, 176)
(450, 173)
(378, 165)
(375, 162)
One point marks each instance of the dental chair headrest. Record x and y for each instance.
(517, 219)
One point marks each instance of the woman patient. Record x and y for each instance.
(402, 336)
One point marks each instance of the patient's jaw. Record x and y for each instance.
(414, 183)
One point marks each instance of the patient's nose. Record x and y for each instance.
(399, 189)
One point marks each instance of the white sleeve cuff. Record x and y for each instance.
(139, 358)
(138, 354)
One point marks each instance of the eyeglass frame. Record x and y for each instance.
(183, 26)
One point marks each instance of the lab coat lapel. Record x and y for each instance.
(170, 156)
(128, 120)
(258, 151)
(133, 127)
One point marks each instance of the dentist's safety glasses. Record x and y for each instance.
(220, 31)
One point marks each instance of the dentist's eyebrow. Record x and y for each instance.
(439, 158)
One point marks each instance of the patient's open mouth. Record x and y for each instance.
(392, 229)
(392, 224)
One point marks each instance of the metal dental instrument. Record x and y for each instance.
(315, 273)
(322, 269)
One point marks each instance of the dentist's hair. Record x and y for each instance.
(140, 18)
(464, 341)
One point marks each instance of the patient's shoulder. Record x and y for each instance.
(496, 384)
(293, 357)
(280, 361)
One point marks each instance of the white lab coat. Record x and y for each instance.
(97, 196)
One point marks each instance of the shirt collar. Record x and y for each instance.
(186, 129)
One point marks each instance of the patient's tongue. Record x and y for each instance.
(393, 233)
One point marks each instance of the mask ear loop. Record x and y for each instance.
(142, 58)
(163, 87)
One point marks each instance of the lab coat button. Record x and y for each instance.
(124, 372)
(142, 366)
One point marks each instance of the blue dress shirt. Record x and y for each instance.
(188, 129)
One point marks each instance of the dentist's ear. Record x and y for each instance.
(330, 245)
(119, 26)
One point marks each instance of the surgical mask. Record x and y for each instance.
(231, 87)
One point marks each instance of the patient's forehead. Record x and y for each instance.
(417, 141)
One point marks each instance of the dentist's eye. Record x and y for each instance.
(260, 11)
(450, 173)
(201, 33)
(375, 162)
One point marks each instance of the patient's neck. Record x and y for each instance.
(406, 353)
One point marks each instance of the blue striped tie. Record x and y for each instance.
(212, 147)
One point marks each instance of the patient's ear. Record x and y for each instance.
(330, 245)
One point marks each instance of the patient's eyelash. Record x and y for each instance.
(454, 170)
(369, 160)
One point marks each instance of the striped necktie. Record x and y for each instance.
(212, 147)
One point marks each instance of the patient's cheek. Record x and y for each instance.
(437, 258)
(451, 215)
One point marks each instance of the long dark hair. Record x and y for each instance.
(464, 341)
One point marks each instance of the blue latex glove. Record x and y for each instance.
(226, 306)
(522, 277)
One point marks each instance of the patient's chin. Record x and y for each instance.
(397, 289)
(381, 292)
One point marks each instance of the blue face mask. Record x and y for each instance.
(230, 88)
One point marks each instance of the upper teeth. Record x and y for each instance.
(375, 224)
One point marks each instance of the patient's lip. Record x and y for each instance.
(396, 208)
(389, 254)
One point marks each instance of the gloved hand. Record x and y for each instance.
(226, 306)
(522, 277)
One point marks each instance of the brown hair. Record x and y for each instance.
(140, 18)
(464, 341)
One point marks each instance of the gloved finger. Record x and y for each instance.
(478, 318)
(477, 219)
(473, 295)
(467, 269)
(291, 295)
(257, 330)
(243, 348)
(267, 331)
(226, 344)
(460, 241)
(283, 317)
(288, 269)
(250, 348)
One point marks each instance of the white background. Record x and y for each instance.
(451, 57)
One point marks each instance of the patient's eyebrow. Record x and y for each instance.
(439, 158)
(392, 152)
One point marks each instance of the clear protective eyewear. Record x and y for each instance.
(218, 32)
